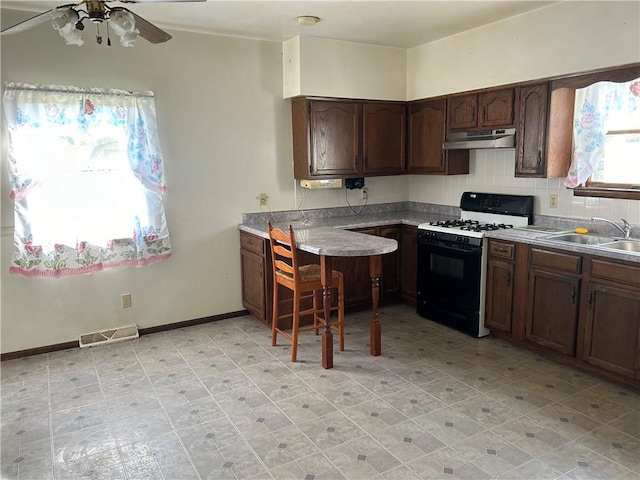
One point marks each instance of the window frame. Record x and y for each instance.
(617, 74)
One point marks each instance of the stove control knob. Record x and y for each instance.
(466, 240)
(458, 239)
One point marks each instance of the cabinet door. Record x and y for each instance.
(531, 157)
(552, 316)
(463, 112)
(497, 108)
(408, 263)
(390, 281)
(426, 134)
(612, 335)
(335, 138)
(499, 302)
(254, 285)
(384, 137)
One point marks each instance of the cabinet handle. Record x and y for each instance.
(539, 157)
(442, 154)
(508, 278)
(590, 299)
(366, 161)
(573, 296)
(484, 113)
(473, 112)
(355, 162)
(502, 250)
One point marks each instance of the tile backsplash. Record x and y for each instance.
(493, 171)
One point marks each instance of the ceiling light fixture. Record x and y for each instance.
(68, 22)
(307, 20)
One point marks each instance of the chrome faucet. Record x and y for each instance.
(625, 229)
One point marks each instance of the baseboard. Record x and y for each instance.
(143, 331)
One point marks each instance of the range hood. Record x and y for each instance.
(504, 138)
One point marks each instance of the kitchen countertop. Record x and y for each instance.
(538, 238)
(414, 218)
(349, 222)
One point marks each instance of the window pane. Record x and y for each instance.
(621, 161)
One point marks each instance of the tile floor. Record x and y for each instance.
(216, 401)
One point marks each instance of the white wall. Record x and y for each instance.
(566, 37)
(225, 131)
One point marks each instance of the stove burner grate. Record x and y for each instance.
(471, 225)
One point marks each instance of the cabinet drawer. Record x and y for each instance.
(252, 243)
(615, 271)
(502, 250)
(556, 260)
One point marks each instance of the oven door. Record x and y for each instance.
(449, 280)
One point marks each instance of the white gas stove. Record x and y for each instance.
(452, 262)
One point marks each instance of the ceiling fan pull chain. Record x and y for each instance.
(98, 36)
(108, 36)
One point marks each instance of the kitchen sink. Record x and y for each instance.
(625, 245)
(583, 239)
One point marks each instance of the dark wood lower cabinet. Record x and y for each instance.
(552, 320)
(390, 281)
(409, 264)
(499, 301)
(256, 271)
(612, 338)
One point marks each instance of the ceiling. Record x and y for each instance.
(396, 23)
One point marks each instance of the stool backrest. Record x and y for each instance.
(283, 252)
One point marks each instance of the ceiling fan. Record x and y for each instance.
(69, 21)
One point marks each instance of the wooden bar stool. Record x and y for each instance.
(304, 282)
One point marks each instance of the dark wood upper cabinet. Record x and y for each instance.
(531, 154)
(497, 108)
(347, 138)
(326, 138)
(463, 112)
(544, 131)
(491, 109)
(384, 137)
(426, 134)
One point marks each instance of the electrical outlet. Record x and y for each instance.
(262, 198)
(364, 194)
(553, 200)
(125, 299)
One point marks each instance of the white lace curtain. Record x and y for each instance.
(600, 108)
(87, 178)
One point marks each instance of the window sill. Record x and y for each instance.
(628, 193)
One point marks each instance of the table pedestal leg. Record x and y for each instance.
(375, 267)
(327, 335)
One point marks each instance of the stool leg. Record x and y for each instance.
(274, 320)
(296, 322)
(315, 311)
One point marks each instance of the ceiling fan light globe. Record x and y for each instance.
(129, 39)
(122, 22)
(73, 38)
(61, 17)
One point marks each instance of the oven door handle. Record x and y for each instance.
(435, 248)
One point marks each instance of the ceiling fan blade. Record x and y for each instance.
(27, 24)
(149, 31)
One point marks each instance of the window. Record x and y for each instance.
(620, 164)
(87, 180)
(606, 140)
